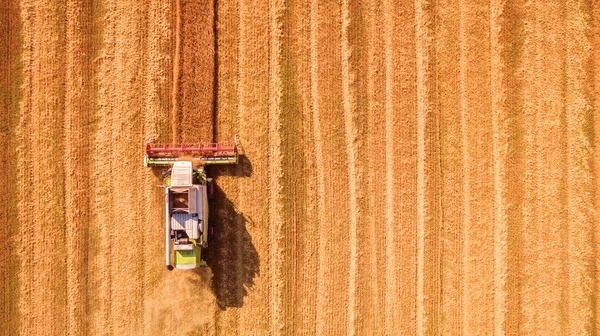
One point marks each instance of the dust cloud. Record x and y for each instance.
(182, 303)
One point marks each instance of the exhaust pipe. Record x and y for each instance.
(167, 232)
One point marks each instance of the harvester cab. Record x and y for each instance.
(187, 191)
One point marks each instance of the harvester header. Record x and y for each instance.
(200, 154)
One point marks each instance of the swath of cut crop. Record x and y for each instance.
(78, 104)
(497, 65)
(428, 212)
(334, 237)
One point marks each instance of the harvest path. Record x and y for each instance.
(409, 167)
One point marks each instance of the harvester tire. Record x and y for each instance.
(210, 188)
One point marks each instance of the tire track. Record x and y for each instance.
(45, 227)
(78, 103)
(428, 201)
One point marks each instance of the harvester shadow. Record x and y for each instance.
(233, 258)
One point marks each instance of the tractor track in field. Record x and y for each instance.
(319, 169)
(10, 81)
(78, 107)
(43, 249)
(407, 167)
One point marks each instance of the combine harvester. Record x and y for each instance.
(187, 191)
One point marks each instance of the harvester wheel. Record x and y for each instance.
(210, 188)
